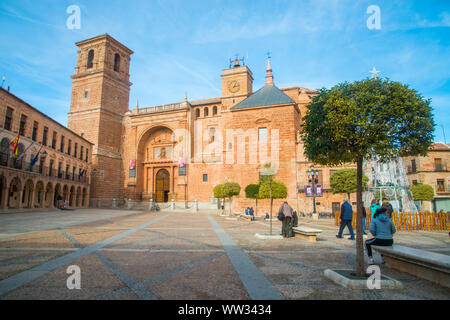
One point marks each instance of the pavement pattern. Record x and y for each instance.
(180, 255)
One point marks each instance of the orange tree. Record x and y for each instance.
(352, 121)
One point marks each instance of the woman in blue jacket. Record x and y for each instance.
(382, 229)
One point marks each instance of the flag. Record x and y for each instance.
(24, 151)
(14, 144)
(36, 157)
(82, 172)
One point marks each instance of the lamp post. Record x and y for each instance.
(269, 172)
(313, 176)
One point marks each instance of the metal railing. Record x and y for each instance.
(21, 164)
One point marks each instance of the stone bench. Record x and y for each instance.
(247, 217)
(307, 233)
(424, 264)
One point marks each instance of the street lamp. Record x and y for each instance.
(313, 176)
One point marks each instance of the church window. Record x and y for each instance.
(197, 113)
(90, 59)
(214, 110)
(205, 178)
(262, 134)
(163, 153)
(86, 94)
(156, 153)
(206, 112)
(116, 62)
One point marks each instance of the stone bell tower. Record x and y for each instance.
(100, 97)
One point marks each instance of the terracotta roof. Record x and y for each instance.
(439, 146)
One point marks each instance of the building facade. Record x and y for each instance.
(183, 149)
(61, 163)
(434, 171)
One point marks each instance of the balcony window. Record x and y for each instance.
(438, 164)
(8, 118)
(440, 185)
(23, 122)
(35, 129)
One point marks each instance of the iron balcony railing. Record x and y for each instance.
(21, 164)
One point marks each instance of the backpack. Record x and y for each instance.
(281, 215)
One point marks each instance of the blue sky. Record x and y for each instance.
(183, 46)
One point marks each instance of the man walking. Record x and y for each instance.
(346, 219)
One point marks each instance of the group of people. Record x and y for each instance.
(381, 226)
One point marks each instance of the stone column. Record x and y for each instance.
(173, 204)
(172, 178)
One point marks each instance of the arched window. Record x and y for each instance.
(116, 62)
(90, 59)
(197, 113)
(206, 112)
(214, 110)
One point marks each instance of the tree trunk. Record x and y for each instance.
(256, 207)
(348, 196)
(230, 206)
(360, 270)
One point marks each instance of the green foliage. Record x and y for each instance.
(365, 117)
(423, 192)
(279, 190)
(344, 181)
(218, 191)
(251, 191)
(231, 189)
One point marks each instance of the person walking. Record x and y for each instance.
(346, 219)
(286, 225)
(382, 229)
(295, 219)
(373, 207)
(59, 201)
(388, 207)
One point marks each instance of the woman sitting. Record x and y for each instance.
(382, 229)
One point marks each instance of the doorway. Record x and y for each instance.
(162, 186)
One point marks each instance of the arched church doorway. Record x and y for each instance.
(162, 186)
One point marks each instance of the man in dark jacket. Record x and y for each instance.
(346, 219)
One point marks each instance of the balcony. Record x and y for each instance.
(442, 188)
(25, 166)
(439, 167)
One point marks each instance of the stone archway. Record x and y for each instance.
(14, 192)
(48, 196)
(39, 195)
(71, 196)
(56, 194)
(77, 201)
(162, 185)
(3, 192)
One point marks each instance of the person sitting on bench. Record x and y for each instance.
(382, 229)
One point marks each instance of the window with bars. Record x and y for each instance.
(8, 118)
(23, 123)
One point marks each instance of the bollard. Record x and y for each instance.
(130, 204)
(150, 205)
(195, 205)
(114, 203)
(99, 203)
(173, 204)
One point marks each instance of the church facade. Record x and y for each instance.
(181, 150)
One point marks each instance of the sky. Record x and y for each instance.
(183, 45)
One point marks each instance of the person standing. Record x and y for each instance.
(286, 225)
(373, 207)
(364, 220)
(346, 219)
(382, 229)
(388, 207)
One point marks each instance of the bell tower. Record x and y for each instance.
(100, 97)
(237, 83)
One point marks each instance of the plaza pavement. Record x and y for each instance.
(125, 254)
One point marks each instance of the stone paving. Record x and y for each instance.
(124, 254)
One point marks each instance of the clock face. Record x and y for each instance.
(234, 86)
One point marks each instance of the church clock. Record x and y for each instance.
(234, 86)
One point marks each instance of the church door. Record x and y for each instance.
(162, 186)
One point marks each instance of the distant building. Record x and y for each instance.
(181, 150)
(62, 166)
(432, 170)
